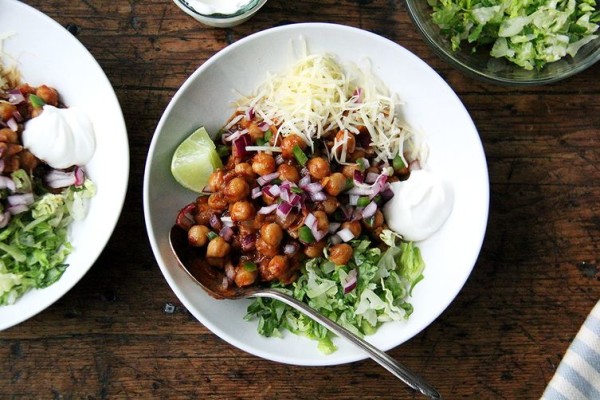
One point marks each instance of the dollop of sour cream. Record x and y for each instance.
(61, 137)
(420, 206)
(218, 6)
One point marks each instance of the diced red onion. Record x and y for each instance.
(279, 159)
(305, 180)
(371, 177)
(250, 114)
(313, 187)
(263, 180)
(358, 95)
(319, 196)
(359, 177)
(15, 97)
(226, 233)
(184, 219)
(274, 191)
(295, 199)
(353, 199)
(369, 210)
(334, 226)
(311, 221)
(215, 222)
(263, 126)
(225, 283)
(290, 249)
(256, 192)
(12, 124)
(319, 234)
(283, 209)
(227, 221)
(248, 242)
(4, 219)
(268, 209)
(387, 193)
(239, 145)
(345, 234)
(357, 215)
(7, 183)
(18, 209)
(234, 136)
(350, 282)
(230, 271)
(58, 179)
(18, 116)
(20, 199)
(79, 176)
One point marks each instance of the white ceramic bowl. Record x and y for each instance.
(221, 20)
(431, 106)
(48, 54)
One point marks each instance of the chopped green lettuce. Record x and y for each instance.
(529, 33)
(34, 245)
(385, 281)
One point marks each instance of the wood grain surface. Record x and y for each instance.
(122, 333)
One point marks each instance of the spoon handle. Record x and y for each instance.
(387, 362)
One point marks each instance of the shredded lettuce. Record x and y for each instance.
(34, 245)
(385, 281)
(529, 33)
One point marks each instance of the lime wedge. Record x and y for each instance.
(194, 160)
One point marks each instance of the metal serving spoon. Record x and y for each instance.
(211, 280)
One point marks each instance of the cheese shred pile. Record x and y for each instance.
(318, 97)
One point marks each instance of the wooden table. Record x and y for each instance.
(117, 335)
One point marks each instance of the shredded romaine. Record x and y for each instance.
(529, 33)
(383, 287)
(34, 245)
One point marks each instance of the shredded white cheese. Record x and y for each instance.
(317, 97)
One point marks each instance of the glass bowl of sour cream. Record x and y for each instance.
(220, 13)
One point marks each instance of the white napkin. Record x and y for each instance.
(578, 374)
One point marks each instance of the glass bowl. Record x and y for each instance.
(485, 67)
(221, 20)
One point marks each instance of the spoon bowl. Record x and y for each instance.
(212, 280)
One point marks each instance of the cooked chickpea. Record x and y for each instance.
(322, 220)
(276, 268)
(334, 184)
(215, 180)
(242, 211)
(318, 168)
(350, 140)
(348, 170)
(245, 275)
(7, 110)
(288, 143)
(264, 248)
(236, 189)
(353, 226)
(217, 202)
(8, 135)
(330, 204)
(340, 254)
(198, 235)
(375, 221)
(288, 173)
(356, 154)
(272, 234)
(263, 164)
(245, 170)
(315, 249)
(48, 94)
(255, 132)
(217, 248)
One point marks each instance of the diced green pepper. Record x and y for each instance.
(305, 235)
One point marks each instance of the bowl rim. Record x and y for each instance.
(251, 7)
(449, 57)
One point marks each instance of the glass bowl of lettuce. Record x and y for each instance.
(512, 42)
